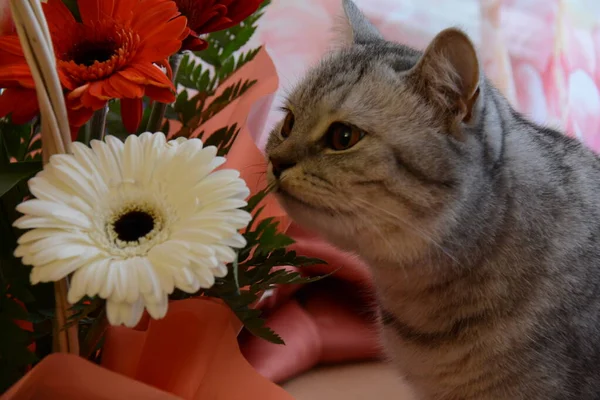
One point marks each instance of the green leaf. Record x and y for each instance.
(13, 173)
(254, 201)
(83, 311)
(94, 335)
(72, 6)
(21, 292)
(10, 334)
(229, 94)
(185, 107)
(193, 75)
(223, 139)
(13, 310)
(223, 44)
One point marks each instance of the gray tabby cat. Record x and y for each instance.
(481, 228)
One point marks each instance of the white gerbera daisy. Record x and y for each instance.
(133, 221)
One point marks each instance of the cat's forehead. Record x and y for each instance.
(341, 72)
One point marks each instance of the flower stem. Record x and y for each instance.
(158, 109)
(97, 125)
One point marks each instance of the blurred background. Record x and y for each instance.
(543, 54)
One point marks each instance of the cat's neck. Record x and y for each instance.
(466, 234)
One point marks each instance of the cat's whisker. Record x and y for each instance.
(420, 232)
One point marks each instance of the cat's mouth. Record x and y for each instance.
(287, 196)
(296, 201)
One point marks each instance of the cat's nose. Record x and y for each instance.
(279, 166)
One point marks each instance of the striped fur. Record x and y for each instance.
(482, 232)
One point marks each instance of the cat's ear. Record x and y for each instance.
(448, 75)
(355, 28)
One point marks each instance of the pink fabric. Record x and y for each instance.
(324, 322)
(544, 55)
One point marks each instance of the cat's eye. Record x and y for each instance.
(288, 124)
(342, 136)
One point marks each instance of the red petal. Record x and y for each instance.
(16, 75)
(95, 10)
(160, 94)
(6, 24)
(97, 89)
(123, 10)
(125, 87)
(88, 100)
(131, 113)
(78, 118)
(166, 65)
(148, 21)
(240, 10)
(237, 11)
(58, 16)
(147, 74)
(12, 46)
(163, 42)
(194, 44)
(22, 104)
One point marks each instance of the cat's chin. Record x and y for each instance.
(326, 222)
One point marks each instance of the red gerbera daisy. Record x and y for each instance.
(6, 24)
(111, 53)
(18, 96)
(206, 16)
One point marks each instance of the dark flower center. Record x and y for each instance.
(87, 53)
(133, 225)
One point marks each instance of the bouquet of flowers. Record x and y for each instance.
(112, 199)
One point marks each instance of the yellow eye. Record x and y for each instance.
(288, 124)
(341, 136)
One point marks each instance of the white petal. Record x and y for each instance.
(107, 164)
(200, 235)
(158, 310)
(224, 205)
(225, 254)
(55, 271)
(200, 250)
(60, 239)
(132, 285)
(62, 212)
(30, 222)
(205, 277)
(44, 189)
(172, 252)
(78, 285)
(67, 174)
(37, 234)
(108, 286)
(150, 282)
(165, 274)
(236, 241)
(116, 146)
(100, 274)
(186, 280)
(88, 160)
(221, 271)
(121, 313)
(132, 158)
(119, 276)
(207, 263)
(61, 253)
(223, 177)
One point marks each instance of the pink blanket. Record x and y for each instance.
(543, 54)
